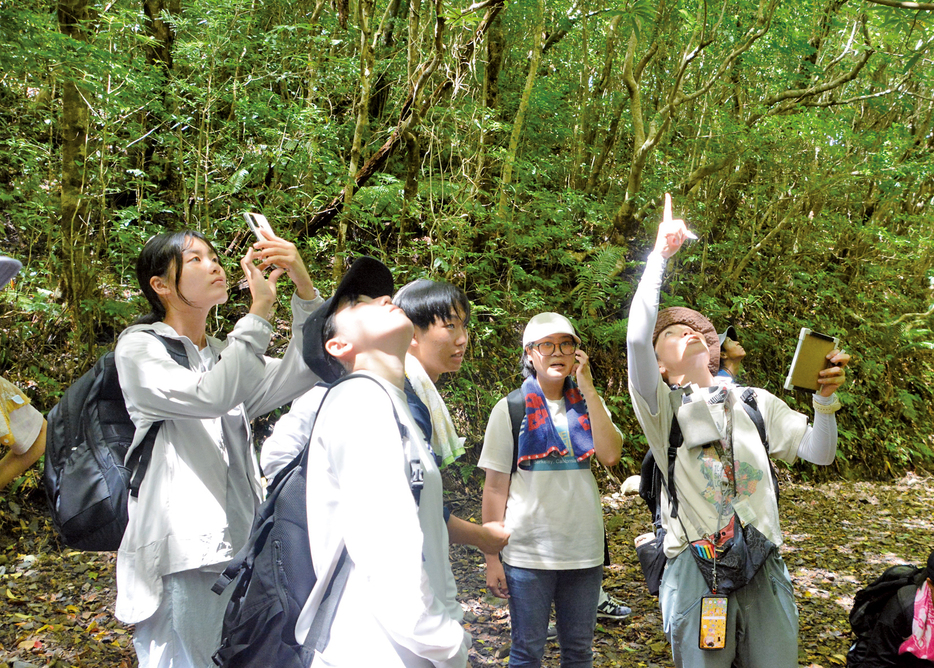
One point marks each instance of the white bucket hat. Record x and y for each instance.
(545, 324)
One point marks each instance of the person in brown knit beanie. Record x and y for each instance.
(680, 315)
(715, 467)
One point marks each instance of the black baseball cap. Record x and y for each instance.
(367, 276)
(728, 333)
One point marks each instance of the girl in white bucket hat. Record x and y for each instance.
(539, 483)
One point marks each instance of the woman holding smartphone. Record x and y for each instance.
(550, 504)
(196, 501)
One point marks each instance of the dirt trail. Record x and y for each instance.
(56, 604)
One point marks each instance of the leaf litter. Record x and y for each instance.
(56, 604)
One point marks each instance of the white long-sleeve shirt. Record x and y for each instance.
(359, 496)
(196, 502)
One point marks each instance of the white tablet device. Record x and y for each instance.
(809, 360)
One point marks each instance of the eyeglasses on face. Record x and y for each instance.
(548, 348)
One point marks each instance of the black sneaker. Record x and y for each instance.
(611, 608)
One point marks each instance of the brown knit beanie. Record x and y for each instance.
(679, 315)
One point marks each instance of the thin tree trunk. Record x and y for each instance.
(367, 62)
(78, 283)
(408, 116)
(598, 100)
(494, 64)
(159, 58)
(510, 160)
(581, 151)
(410, 192)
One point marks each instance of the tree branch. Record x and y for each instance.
(910, 316)
(409, 116)
(920, 6)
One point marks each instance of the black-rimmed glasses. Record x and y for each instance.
(548, 348)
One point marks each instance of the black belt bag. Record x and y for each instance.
(739, 551)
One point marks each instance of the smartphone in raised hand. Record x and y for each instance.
(257, 222)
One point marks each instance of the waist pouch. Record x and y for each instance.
(652, 559)
(739, 556)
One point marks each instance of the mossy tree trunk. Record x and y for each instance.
(78, 279)
(534, 60)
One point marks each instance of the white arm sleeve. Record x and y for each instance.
(643, 313)
(819, 445)
(291, 433)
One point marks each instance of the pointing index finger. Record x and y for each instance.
(667, 214)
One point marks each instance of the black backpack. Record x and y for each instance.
(276, 574)
(87, 483)
(870, 601)
(652, 555)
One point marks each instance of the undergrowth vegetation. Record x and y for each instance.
(805, 170)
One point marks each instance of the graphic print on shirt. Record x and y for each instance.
(555, 461)
(719, 490)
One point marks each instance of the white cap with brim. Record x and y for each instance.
(728, 332)
(546, 324)
(8, 269)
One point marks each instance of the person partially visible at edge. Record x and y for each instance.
(196, 502)
(440, 313)
(903, 636)
(398, 608)
(679, 347)
(731, 355)
(22, 427)
(551, 504)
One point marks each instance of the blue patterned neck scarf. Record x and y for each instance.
(538, 437)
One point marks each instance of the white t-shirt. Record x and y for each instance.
(699, 471)
(554, 516)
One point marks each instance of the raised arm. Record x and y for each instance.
(274, 250)
(607, 439)
(157, 388)
(643, 313)
(291, 433)
(819, 445)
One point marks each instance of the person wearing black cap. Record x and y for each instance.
(731, 354)
(720, 479)
(22, 427)
(398, 608)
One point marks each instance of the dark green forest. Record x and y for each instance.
(518, 149)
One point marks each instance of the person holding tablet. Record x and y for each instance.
(718, 485)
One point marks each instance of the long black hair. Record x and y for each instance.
(159, 255)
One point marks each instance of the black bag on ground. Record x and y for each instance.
(869, 603)
(275, 575)
(87, 483)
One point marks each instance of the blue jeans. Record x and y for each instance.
(574, 594)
